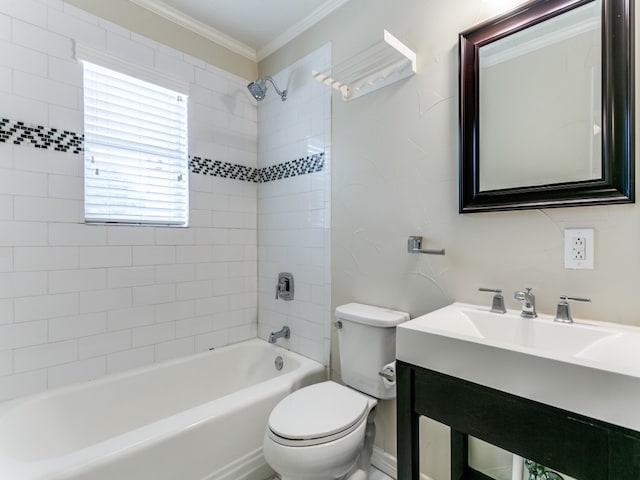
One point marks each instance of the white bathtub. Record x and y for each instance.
(195, 418)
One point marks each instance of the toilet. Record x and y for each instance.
(325, 431)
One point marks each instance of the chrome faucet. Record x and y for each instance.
(284, 332)
(528, 301)
(563, 314)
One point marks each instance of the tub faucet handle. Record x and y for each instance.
(497, 304)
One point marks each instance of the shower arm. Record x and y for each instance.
(283, 94)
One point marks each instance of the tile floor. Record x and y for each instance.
(375, 474)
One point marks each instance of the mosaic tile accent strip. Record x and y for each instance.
(293, 168)
(37, 136)
(21, 133)
(218, 168)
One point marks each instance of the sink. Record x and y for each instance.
(588, 367)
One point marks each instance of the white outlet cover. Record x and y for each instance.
(589, 237)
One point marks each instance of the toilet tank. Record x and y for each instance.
(367, 342)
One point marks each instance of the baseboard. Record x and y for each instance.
(388, 464)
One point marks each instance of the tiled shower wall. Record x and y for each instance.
(294, 213)
(78, 301)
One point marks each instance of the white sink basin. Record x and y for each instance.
(588, 367)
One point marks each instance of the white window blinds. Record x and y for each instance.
(136, 157)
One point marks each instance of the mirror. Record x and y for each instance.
(546, 107)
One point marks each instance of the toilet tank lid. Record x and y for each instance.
(370, 315)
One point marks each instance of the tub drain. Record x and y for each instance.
(279, 363)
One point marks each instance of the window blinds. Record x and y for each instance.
(136, 155)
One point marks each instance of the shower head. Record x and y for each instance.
(259, 88)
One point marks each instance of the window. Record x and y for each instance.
(136, 158)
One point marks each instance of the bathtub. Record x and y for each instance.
(194, 418)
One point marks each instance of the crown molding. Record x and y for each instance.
(307, 22)
(176, 16)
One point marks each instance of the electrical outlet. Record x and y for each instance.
(578, 248)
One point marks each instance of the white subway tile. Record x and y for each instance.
(36, 209)
(14, 386)
(22, 233)
(5, 27)
(193, 290)
(128, 50)
(242, 332)
(193, 326)
(175, 67)
(228, 253)
(175, 310)
(227, 286)
(6, 311)
(82, 31)
(46, 355)
(130, 276)
(211, 81)
(16, 57)
(64, 186)
(213, 236)
(16, 182)
(97, 257)
(130, 317)
(144, 40)
(154, 255)
(175, 273)
(44, 258)
(6, 207)
(25, 334)
(27, 10)
(234, 220)
(103, 300)
(153, 294)
(66, 71)
(194, 254)
(114, 27)
(152, 334)
(44, 89)
(206, 271)
(117, 362)
(64, 118)
(174, 348)
(46, 161)
(75, 372)
(6, 259)
(76, 326)
(45, 306)
(24, 109)
(212, 340)
(6, 363)
(104, 344)
(208, 306)
(22, 284)
(77, 234)
(194, 61)
(125, 235)
(6, 79)
(226, 320)
(63, 281)
(175, 236)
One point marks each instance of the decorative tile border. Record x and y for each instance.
(38, 136)
(293, 168)
(21, 133)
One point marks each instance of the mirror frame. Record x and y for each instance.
(617, 184)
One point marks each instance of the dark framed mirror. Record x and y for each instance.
(547, 107)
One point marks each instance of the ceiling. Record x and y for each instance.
(251, 28)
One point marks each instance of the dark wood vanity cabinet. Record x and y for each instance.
(582, 447)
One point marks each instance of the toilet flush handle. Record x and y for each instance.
(388, 373)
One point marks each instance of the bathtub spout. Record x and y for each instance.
(284, 332)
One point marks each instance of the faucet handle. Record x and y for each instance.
(497, 304)
(563, 314)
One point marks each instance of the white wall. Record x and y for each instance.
(395, 173)
(294, 213)
(78, 301)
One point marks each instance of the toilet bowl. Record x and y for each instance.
(326, 431)
(320, 432)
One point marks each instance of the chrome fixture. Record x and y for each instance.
(284, 287)
(414, 245)
(284, 332)
(279, 363)
(497, 305)
(388, 373)
(563, 314)
(259, 88)
(528, 301)
(540, 472)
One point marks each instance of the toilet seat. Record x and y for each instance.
(317, 414)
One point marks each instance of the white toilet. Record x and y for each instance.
(326, 431)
